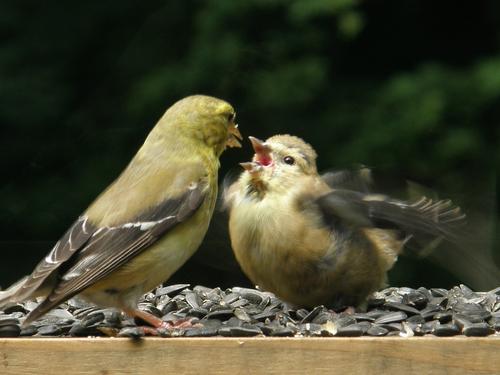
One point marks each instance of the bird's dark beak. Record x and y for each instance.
(262, 151)
(234, 136)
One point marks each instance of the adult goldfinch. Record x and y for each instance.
(147, 223)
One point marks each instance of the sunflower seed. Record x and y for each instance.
(10, 330)
(478, 329)
(284, 332)
(448, 329)
(239, 331)
(443, 316)
(401, 307)
(393, 317)
(353, 330)
(171, 290)
(376, 330)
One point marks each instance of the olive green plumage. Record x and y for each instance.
(147, 223)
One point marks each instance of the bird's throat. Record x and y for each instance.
(257, 188)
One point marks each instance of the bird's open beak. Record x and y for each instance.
(234, 136)
(262, 151)
(252, 167)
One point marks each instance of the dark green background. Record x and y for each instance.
(410, 88)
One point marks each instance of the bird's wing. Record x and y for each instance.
(423, 217)
(358, 179)
(110, 247)
(74, 239)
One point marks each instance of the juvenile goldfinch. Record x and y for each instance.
(314, 239)
(147, 223)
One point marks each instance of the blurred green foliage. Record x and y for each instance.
(410, 88)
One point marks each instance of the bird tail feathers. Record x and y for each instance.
(9, 296)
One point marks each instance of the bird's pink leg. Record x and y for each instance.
(156, 322)
(147, 317)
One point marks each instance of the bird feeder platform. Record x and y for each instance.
(362, 355)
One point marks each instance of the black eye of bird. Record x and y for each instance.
(289, 160)
(231, 117)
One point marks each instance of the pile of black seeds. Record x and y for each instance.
(243, 312)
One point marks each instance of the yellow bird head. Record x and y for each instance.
(208, 121)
